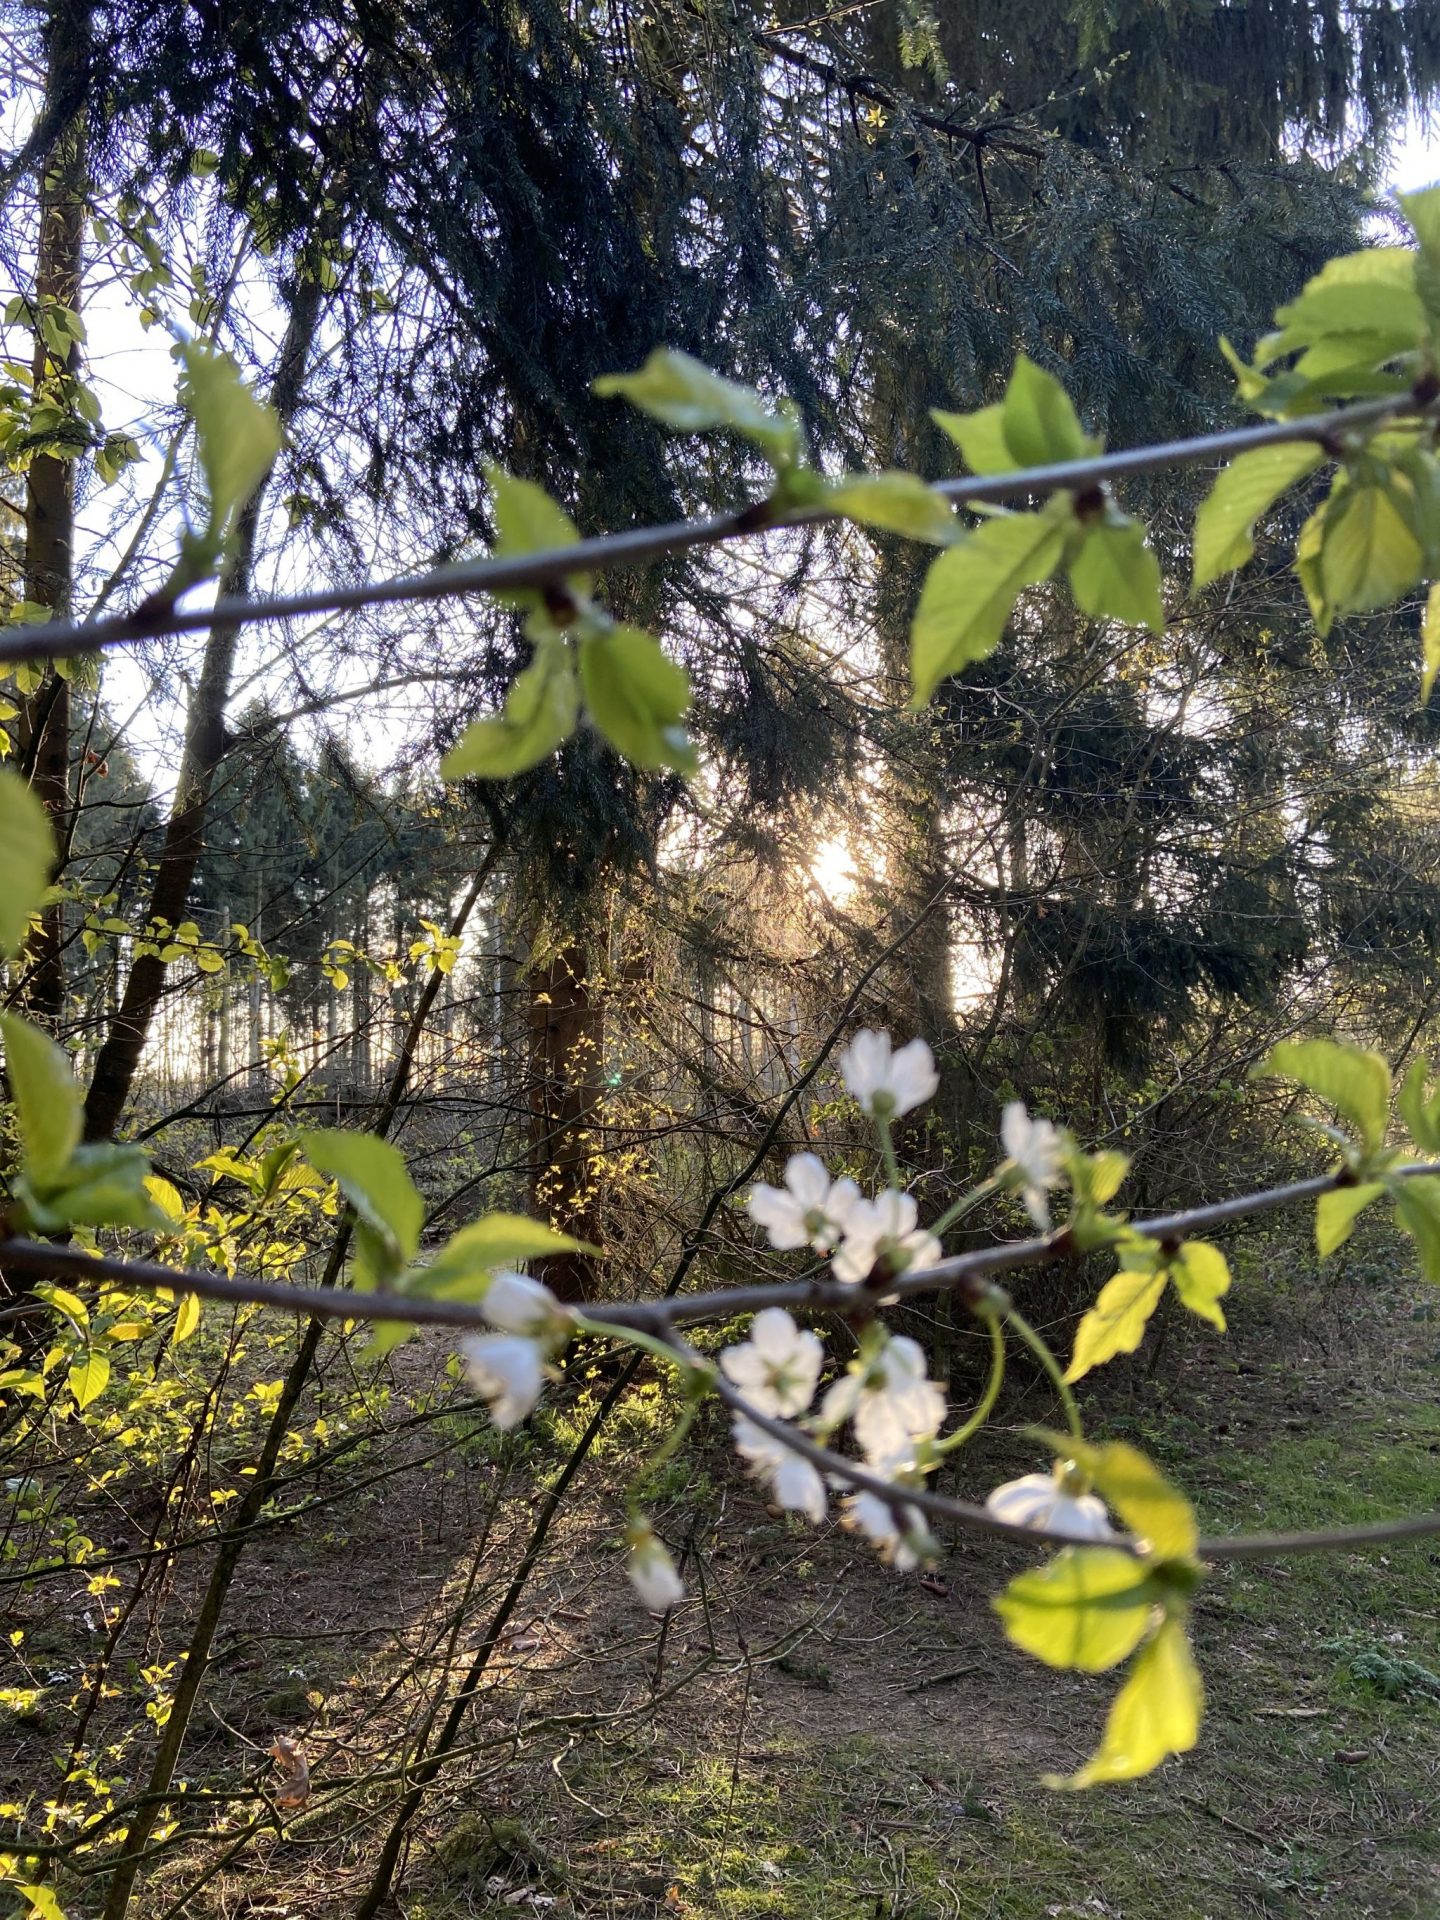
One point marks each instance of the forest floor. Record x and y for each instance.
(813, 1738)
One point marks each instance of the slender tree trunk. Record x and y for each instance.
(44, 731)
(204, 748)
(567, 1046)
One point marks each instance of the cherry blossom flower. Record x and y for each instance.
(884, 1082)
(1052, 1502)
(883, 1229)
(810, 1209)
(652, 1572)
(891, 1404)
(508, 1371)
(517, 1304)
(1036, 1152)
(902, 1543)
(795, 1483)
(778, 1367)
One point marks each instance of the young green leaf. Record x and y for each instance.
(1089, 1608)
(27, 853)
(1141, 1495)
(1337, 1211)
(1117, 1321)
(1352, 1079)
(1243, 491)
(47, 1100)
(1156, 1713)
(900, 503)
(542, 710)
(372, 1176)
(236, 437)
(1422, 210)
(88, 1378)
(527, 520)
(1201, 1275)
(980, 437)
(463, 1267)
(970, 591)
(1369, 553)
(1115, 574)
(637, 698)
(682, 393)
(102, 1184)
(1417, 1208)
(1430, 643)
(1419, 1107)
(1040, 423)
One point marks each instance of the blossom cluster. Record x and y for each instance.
(883, 1399)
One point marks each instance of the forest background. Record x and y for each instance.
(1104, 872)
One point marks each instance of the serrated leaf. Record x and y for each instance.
(27, 854)
(1117, 1321)
(1243, 491)
(542, 710)
(970, 591)
(1156, 1713)
(682, 393)
(373, 1178)
(1097, 1177)
(980, 437)
(102, 1184)
(1353, 1080)
(900, 503)
(1417, 1208)
(1088, 1608)
(187, 1318)
(1337, 1211)
(527, 520)
(1369, 553)
(1372, 291)
(1040, 423)
(462, 1268)
(88, 1378)
(637, 697)
(1139, 1493)
(1116, 576)
(236, 437)
(47, 1100)
(1201, 1275)
(1422, 210)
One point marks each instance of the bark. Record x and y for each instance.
(205, 743)
(567, 1050)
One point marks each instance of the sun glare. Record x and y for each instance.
(832, 868)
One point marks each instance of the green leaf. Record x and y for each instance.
(980, 437)
(900, 503)
(27, 854)
(1430, 641)
(371, 1174)
(1422, 210)
(102, 1184)
(462, 1268)
(1369, 554)
(1041, 426)
(1116, 576)
(88, 1378)
(637, 698)
(1419, 1108)
(527, 520)
(1089, 1608)
(682, 393)
(1337, 1211)
(1156, 1713)
(1117, 1321)
(187, 1318)
(1246, 489)
(1353, 1080)
(1417, 1208)
(1139, 1493)
(1201, 1275)
(970, 590)
(47, 1100)
(542, 710)
(237, 438)
(1372, 291)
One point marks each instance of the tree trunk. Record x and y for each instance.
(204, 748)
(567, 1050)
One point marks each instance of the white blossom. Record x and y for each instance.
(795, 1483)
(778, 1367)
(517, 1304)
(1048, 1501)
(885, 1082)
(1036, 1151)
(652, 1572)
(508, 1371)
(903, 1543)
(883, 1229)
(892, 1404)
(809, 1210)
